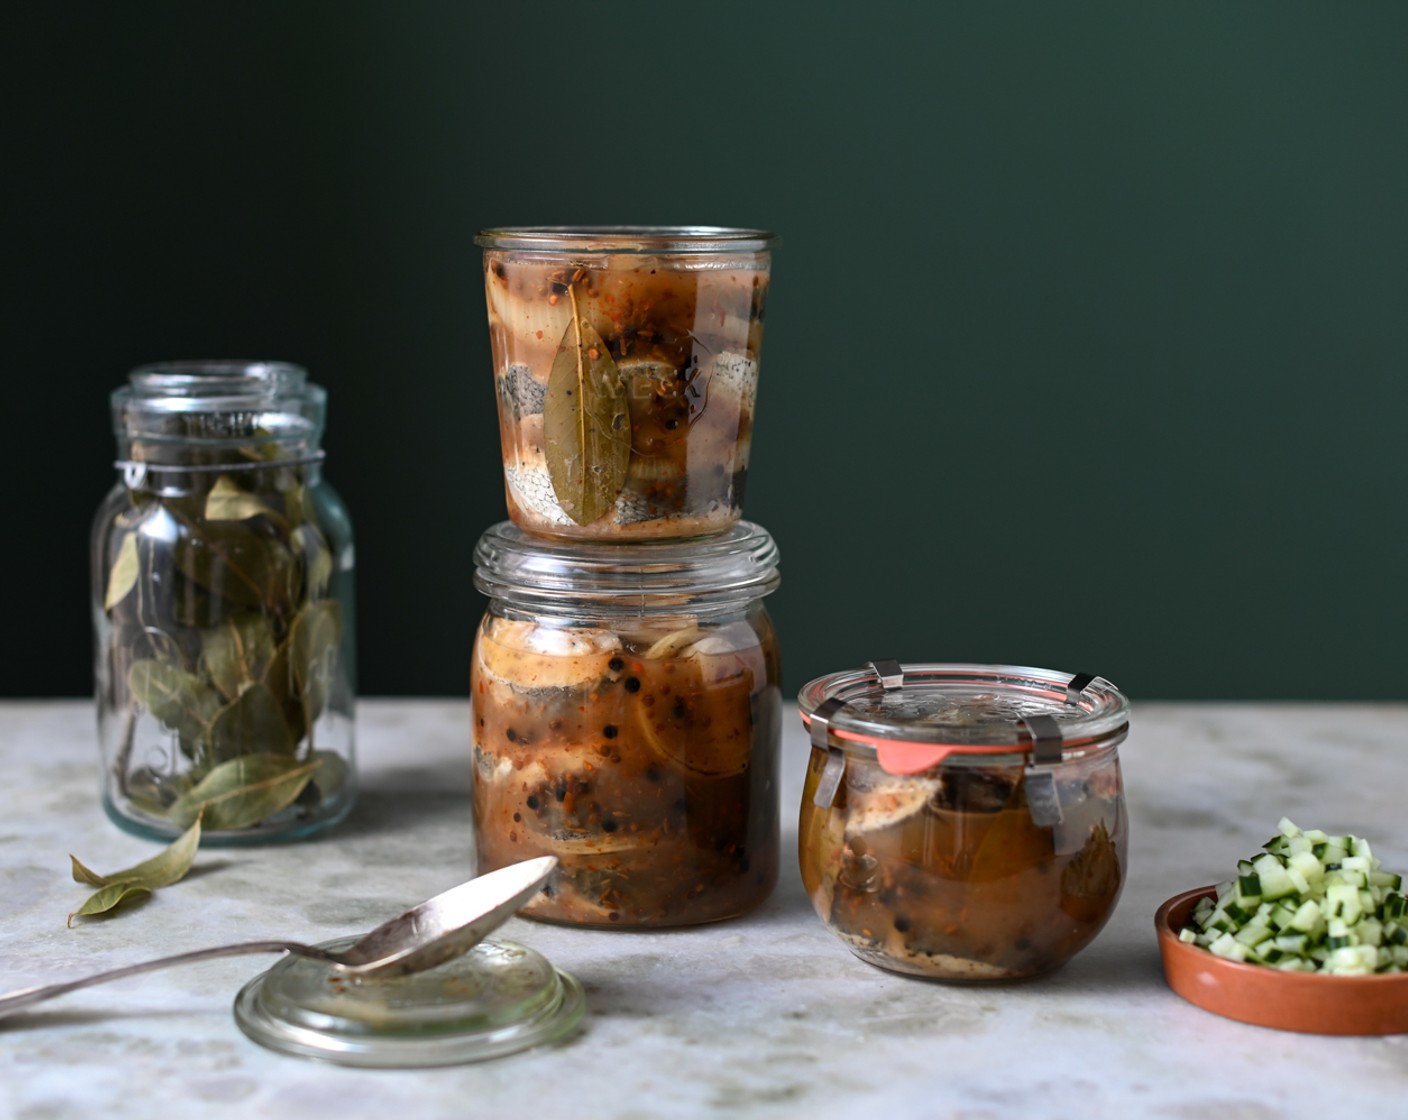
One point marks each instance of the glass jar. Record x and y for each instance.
(222, 605)
(626, 363)
(963, 822)
(627, 718)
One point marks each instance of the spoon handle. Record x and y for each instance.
(26, 997)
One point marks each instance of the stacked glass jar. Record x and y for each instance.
(625, 678)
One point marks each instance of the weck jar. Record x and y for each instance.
(626, 364)
(627, 719)
(222, 576)
(963, 822)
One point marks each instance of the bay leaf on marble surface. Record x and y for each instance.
(180, 700)
(586, 423)
(244, 791)
(166, 867)
(107, 899)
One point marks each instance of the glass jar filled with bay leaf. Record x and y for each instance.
(627, 719)
(626, 363)
(222, 603)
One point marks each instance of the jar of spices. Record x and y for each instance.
(963, 822)
(222, 603)
(627, 720)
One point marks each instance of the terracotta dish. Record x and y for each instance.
(1268, 997)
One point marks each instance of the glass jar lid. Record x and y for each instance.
(916, 716)
(627, 239)
(497, 999)
(640, 577)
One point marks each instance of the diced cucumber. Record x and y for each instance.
(1281, 916)
(1307, 916)
(1253, 934)
(1342, 901)
(1310, 867)
(1308, 902)
(1275, 883)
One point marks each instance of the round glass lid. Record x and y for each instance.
(497, 999)
(915, 715)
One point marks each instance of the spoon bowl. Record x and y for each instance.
(446, 926)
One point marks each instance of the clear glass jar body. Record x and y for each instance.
(626, 367)
(222, 576)
(637, 742)
(945, 874)
(950, 871)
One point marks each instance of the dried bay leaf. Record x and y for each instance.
(252, 723)
(227, 502)
(180, 700)
(586, 423)
(166, 867)
(109, 898)
(236, 653)
(279, 678)
(245, 791)
(332, 773)
(312, 547)
(313, 645)
(125, 570)
(296, 503)
(231, 560)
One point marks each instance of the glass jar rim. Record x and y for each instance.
(219, 401)
(191, 376)
(215, 385)
(627, 239)
(945, 700)
(642, 577)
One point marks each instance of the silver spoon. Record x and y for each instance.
(439, 930)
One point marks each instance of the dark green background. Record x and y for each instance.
(1087, 344)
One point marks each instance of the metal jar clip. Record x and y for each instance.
(1043, 798)
(891, 676)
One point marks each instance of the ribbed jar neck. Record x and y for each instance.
(569, 579)
(240, 409)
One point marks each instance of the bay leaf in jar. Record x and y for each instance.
(586, 423)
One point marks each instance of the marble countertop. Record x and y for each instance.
(767, 1016)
